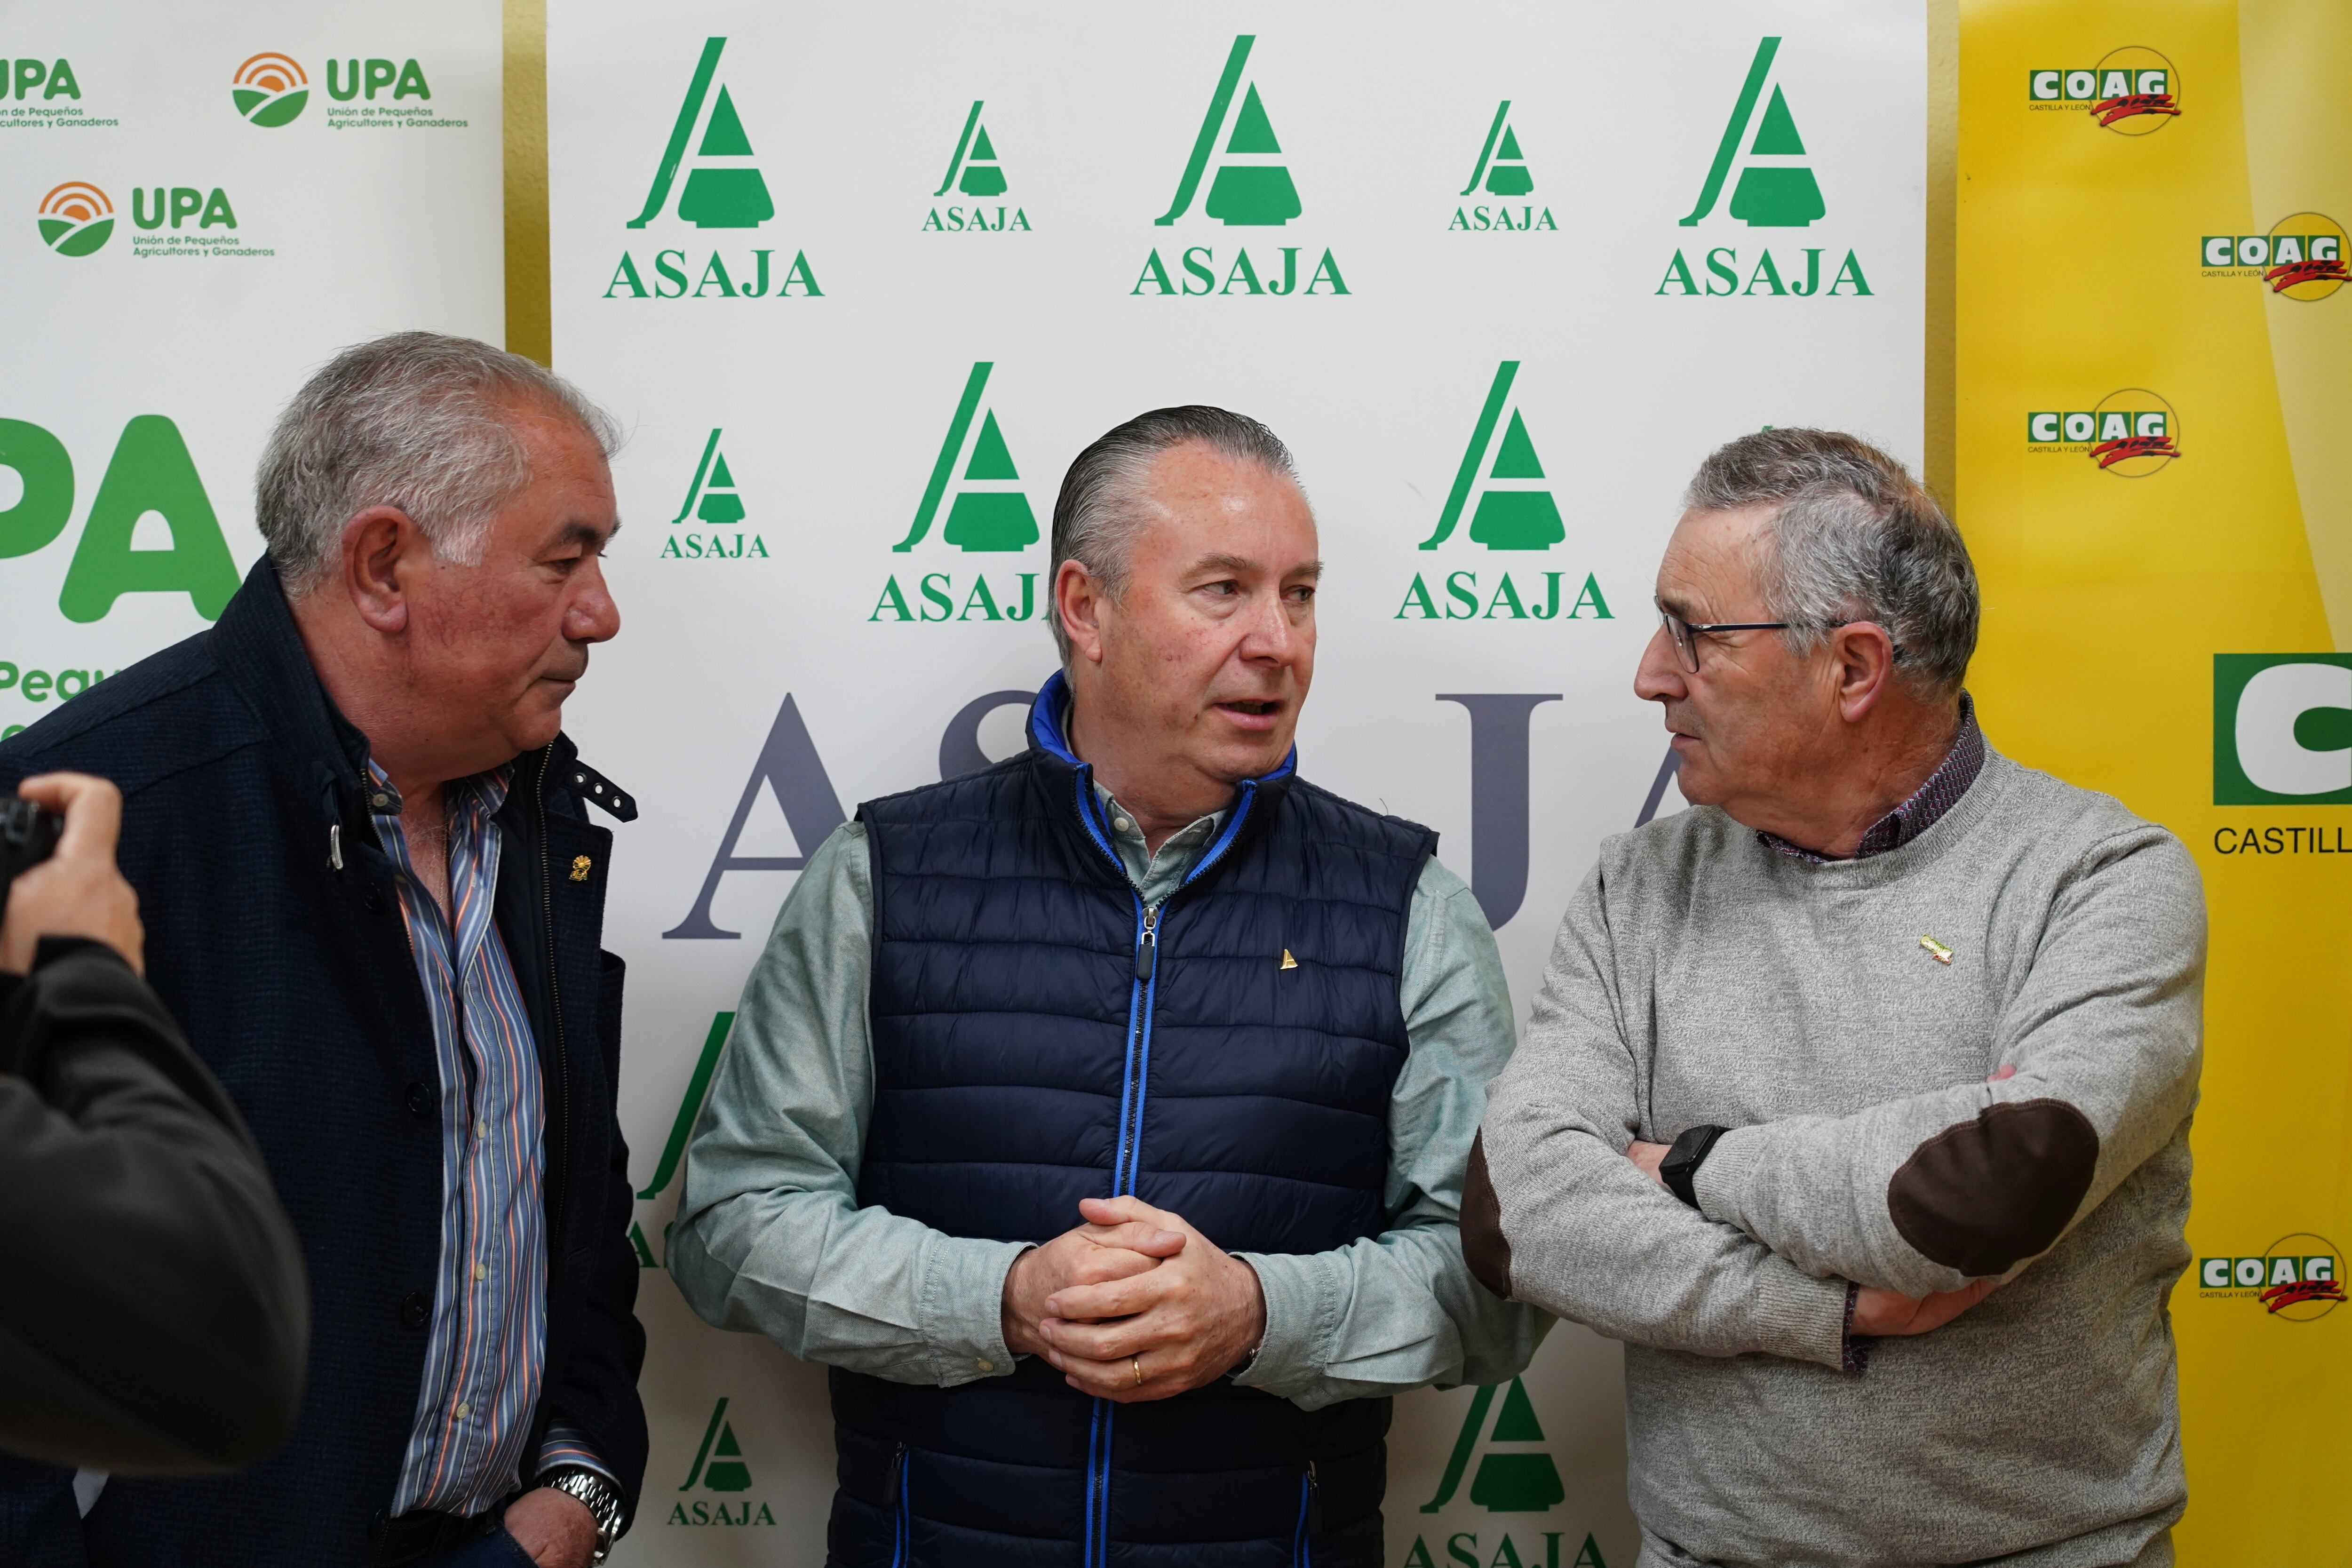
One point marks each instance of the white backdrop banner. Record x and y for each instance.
(861, 281)
(198, 204)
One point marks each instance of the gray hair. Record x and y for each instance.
(1102, 507)
(1855, 538)
(416, 420)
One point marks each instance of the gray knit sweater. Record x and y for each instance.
(1701, 977)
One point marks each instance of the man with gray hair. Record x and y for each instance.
(1100, 1118)
(1856, 1097)
(373, 899)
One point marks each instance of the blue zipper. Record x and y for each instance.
(900, 1528)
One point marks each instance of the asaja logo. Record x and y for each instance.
(2131, 431)
(712, 500)
(119, 552)
(974, 171)
(990, 515)
(2281, 729)
(682, 1127)
(270, 89)
(2133, 91)
(1775, 188)
(1251, 188)
(1501, 171)
(1514, 1475)
(2298, 1277)
(723, 190)
(719, 1467)
(1515, 511)
(2302, 256)
(76, 218)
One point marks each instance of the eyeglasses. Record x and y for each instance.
(1685, 635)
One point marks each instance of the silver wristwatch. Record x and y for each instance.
(601, 1498)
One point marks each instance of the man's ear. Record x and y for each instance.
(1078, 599)
(1864, 656)
(377, 545)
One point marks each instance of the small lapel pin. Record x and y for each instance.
(581, 865)
(1288, 962)
(1941, 953)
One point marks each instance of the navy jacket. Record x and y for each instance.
(1040, 1036)
(293, 980)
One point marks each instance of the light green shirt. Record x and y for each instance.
(770, 1238)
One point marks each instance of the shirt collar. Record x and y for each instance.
(1927, 804)
(487, 791)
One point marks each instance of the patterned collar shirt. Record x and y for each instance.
(1927, 804)
(484, 1357)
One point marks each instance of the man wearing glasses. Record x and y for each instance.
(1856, 1099)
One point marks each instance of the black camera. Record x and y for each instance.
(28, 835)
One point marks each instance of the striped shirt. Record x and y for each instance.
(483, 1361)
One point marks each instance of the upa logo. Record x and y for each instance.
(723, 189)
(1514, 1475)
(1251, 188)
(76, 218)
(1501, 171)
(712, 500)
(2282, 728)
(719, 1467)
(974, 171)
(2132, 91)
(270, 89)
(1515, 511)
(2301, 257)
(151, 472)
(990, 515)
(1775, 188)
(2132, 432)
(2298, 1279)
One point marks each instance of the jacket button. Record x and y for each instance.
(421, 1101)
(416, 1311)
(370, 897)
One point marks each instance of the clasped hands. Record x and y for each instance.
(1135, 1304)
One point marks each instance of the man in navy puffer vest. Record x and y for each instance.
(1100, 1118)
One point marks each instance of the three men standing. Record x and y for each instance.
(1101, 1118)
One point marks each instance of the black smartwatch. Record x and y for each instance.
(1680, 1166)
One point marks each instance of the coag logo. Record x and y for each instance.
(974, 171)
(2132, 91)
(719, 1467)
(723, 190)
(151, 472)
(712, 499)
(1514, 1475)
(1775, 188)
(990, 515)
(1251, 188)
(270, 89)
(1514, 511)
(2132, 431)
(2297, 1278)
(76, 218)
(2281, 729)
(1501, 171)
(2302, 256)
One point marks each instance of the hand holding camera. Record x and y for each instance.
(59, 879)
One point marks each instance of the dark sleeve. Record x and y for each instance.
(596, 1392)
(153, 1312)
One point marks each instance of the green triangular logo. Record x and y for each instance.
(974, 170)
(711, 496)
(1502, 168)
(1250, 190)
(721, 190)
(1514, 510)
(1511, 1477)
(1771, 193)
(990, 513)
(718, 1463)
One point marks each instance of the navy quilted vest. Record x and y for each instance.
(1033, 1047)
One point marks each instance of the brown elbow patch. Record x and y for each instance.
(1983, 1194)
(1484, 1247)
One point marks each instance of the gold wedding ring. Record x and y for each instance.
(1134, 1365)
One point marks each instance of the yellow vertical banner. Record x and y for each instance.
(2154, 468)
